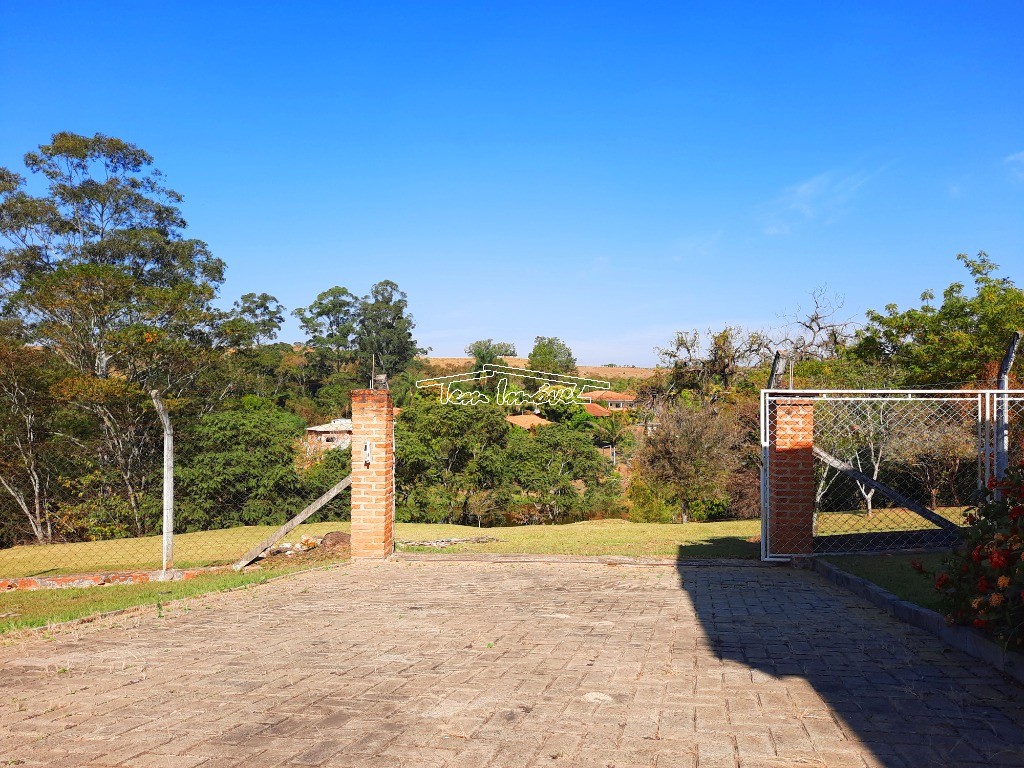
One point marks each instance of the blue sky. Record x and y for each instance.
(603, 172)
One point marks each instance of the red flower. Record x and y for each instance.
(1017, 511)
(916, 565)
(980, 623)
(977, 555)
(942, 581)
(998, 559)
(983, 585)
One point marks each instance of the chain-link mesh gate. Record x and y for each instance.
(857, 471)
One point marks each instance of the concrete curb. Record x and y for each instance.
(482, 557)
(963, 639)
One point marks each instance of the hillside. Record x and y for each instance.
(606, 372)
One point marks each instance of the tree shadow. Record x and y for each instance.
(823, 676)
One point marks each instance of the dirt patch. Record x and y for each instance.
(442, 543)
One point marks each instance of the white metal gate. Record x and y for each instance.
(893, 469)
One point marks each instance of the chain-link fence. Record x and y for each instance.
(70, 505)
(891, 470)
(918, 451)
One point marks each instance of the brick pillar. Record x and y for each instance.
(373, 483)
(791, 476)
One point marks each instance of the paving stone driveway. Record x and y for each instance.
(474, 664)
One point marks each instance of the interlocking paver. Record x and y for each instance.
(528, 664)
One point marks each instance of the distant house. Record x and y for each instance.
(615, 401)
(596, 410)
(528, 421)
(333, 434)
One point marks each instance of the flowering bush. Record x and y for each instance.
(982, 583)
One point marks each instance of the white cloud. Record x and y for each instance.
(1016, 163)
(822, 199)
(697, 247)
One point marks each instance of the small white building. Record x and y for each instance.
(334, 434)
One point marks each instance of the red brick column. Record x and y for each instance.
(791, 476)
(373, 483)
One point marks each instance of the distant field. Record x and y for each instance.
(605, 372)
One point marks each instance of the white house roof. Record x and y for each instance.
(337, 425)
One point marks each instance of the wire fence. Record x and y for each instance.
(76, 507)
(897, 470)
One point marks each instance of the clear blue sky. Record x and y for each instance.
(603, 172)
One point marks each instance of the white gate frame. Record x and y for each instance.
(993, 408)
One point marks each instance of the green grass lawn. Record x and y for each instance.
(884, 519)
(22, 609)
(731, 538)
(893, 573)
(607, 537)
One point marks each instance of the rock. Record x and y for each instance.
(336, 540)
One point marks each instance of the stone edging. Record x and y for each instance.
(962, 638)
(101, 579)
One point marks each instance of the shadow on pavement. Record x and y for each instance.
(810, 649)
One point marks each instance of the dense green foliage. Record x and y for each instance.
(960, 341)
(468, 465)
(551, 355)
(239, 468)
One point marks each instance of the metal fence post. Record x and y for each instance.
(1002, 432)
(168, 533)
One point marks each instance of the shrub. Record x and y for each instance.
(647, 505)
(708, 510)
(982, 583)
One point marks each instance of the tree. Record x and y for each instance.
(254, 320)
(709, 363)
(933, 449)
(689, 453)
(863, 432)
(552, 355)
(331, 322)
(489, 352)
(612, 431)
(553, 470)
(30, 457)
(818, 334)
(959, 341)
(384, 333)
(239, 468)
(450, 460)
(99, 271)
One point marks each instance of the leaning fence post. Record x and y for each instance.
(1002, 435)
(168, 535)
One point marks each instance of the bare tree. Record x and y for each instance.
(818, 333)
(711, 360)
